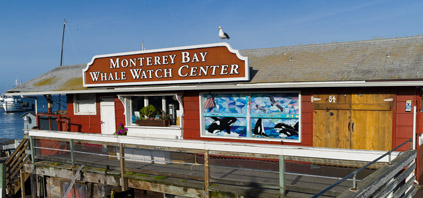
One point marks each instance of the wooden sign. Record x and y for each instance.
(191, 64)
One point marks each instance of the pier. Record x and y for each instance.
(112, 164)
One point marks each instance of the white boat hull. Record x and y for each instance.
(14, 104)
(11, 107)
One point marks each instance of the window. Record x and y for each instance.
(84, 104)
(164, 104)
(274, 116)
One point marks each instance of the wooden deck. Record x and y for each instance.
(238, 176)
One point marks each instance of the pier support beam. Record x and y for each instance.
(281, 176)
(123, 181)
(22, 181)
(31, 145)
(2, 180)
(72, 149)
(206, 174)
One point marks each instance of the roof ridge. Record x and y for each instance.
(344, 42)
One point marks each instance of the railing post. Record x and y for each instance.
(31, 145)
(22, 182)
(2, 180)
(281, 176)
(389, 159)
(72, 149)
(354, 183)
(123, 181)
(206, 174)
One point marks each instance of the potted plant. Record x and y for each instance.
(121, 130)
(148, 114)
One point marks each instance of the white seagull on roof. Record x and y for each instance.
(222, 34)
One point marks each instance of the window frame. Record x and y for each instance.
(248, 117)
(124, 98)
(76, 105)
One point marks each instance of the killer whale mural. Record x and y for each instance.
(259, 129)
(223, 124)
(287, 130)
(253, 115)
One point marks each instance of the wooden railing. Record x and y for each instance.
(13, 166)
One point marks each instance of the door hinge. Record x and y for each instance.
(315, 99)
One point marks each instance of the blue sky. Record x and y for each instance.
(31, 31)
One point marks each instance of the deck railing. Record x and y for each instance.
(370, 189)
(216, 166)
(14, 164)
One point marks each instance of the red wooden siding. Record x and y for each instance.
(403, 126)
(84, 123)
(119, 112)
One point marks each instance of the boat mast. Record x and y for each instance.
(61, 55)
(63, 40)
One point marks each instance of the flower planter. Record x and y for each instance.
(153, 123)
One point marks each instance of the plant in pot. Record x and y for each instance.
(121, 130)
(148, 112)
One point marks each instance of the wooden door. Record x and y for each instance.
(371, 127)
(331, 119)
(107, 115)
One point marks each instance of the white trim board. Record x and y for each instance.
(238, 86)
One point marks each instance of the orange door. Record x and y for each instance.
(330, 120)
(372, 121)
(353, 121)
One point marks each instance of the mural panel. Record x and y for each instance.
(255, 115)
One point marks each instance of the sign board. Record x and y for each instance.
(191, 64)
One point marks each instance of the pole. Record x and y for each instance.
(63, 40)
(72, 149)
(22, 181)
(281, 176)
(2, 180)
(123, 182)
(414, 127)
(31, 145)
(206, 174)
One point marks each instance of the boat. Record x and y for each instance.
(15, 104)
(1, 99)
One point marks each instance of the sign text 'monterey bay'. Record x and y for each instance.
(214, 62)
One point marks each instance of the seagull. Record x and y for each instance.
(222, 34)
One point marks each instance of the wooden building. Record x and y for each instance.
(363, 95)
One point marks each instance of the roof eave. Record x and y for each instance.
(200, 87)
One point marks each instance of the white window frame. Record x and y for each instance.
(127, 103)
(202, 124)
(92, 102)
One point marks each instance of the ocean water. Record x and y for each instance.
(12, 124)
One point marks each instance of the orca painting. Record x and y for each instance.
(259, 129)
(223, 124)
(287, 130)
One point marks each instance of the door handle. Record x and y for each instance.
(352, 127)
(349, 126)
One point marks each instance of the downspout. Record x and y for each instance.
(414, 135)
(414, 126)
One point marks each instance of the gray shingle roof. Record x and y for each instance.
(374, 60)
(387, 59)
